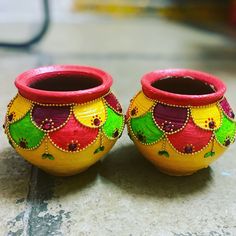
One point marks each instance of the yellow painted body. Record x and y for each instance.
(178, 164)
(65, 163)
(52, 159)
(174, 162)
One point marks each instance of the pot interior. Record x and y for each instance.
(66, 83)
(184, 85)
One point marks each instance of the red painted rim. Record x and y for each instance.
(23, 81)
(180, 99)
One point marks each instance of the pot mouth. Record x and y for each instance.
(63, 84)
(183, 87)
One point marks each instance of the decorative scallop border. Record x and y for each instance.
(77, 151)
(132, 101)
(103, 97)
(165, 134)
(121, 130)
(173, 132)
(221, 108)
(219, 128)
(51, 130)
(217, 105)
(133, 134)
(10, 105)
(104, 104)
(28, 149)
(193, 153)
(46, 133)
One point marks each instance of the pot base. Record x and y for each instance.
(58, 174)
(176, 173)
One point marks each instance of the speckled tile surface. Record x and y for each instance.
(124, 194)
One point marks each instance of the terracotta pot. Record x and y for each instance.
(181, 121)
(64, 118)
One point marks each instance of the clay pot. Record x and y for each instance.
(181, 121)
(64, 118)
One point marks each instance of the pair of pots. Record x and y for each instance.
(65, 118)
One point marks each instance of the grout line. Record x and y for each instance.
(30, 199)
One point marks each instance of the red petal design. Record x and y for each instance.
(113, 102)
(73, 136)
(227, 109)
(169, 118)
(191, 138)
(50, 117)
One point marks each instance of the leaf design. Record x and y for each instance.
(209, 154)
(48, 156)
(100, 149)
(164, 153)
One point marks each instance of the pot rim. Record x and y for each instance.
(28, 77)
(182, 99)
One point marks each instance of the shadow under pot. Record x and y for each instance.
(64, 118)
(180, 120)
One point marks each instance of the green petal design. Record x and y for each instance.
(25, 133)
(145, 129)
(114, 124)
(226, 133)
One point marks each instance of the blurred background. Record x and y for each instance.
(28, 16)
(152, 33)
(127, 38)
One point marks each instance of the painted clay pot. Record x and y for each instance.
(64, 118)
(181, 121)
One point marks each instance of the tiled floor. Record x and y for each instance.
(124, 194)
